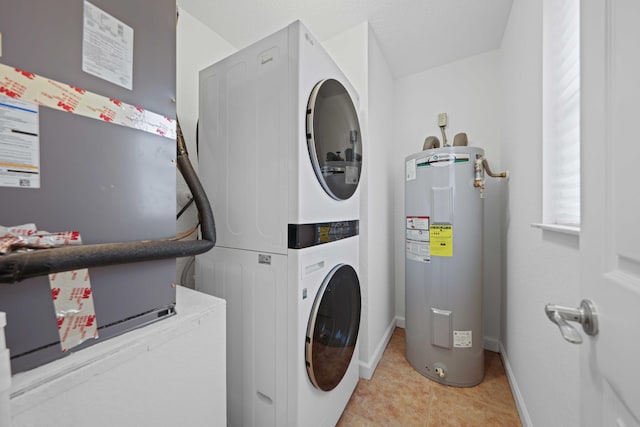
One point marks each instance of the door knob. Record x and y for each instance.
(585, 315)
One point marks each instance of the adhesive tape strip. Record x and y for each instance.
(19, 84)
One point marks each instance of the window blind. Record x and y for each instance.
(561, 112)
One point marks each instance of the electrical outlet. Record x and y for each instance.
(442, 119)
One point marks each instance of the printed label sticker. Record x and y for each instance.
(443, 159)
(418, 222)
(417, 251)
(462, 339)
(417, 246)
(441, 237)
(107, 47)
(419, 235)
(19, 143)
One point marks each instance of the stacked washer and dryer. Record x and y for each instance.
(281, 157)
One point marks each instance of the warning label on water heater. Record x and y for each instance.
(441, 236)
(418, 251)
(417, 239)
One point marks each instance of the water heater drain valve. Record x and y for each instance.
(440, 372)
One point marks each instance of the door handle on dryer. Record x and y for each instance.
(585, 315)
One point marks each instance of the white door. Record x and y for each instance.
(610, 229)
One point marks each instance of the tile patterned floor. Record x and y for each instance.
(397, 395)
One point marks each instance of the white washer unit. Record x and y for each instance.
(280, 157)
(279, 141)
(292, 331)
(328, 324)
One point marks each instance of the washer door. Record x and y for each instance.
(334, 139)
(333, 328)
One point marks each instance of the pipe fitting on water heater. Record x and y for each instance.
(479, 167)
(481, 164)
(478, 180)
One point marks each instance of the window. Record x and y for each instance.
(561, 112)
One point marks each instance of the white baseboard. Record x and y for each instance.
(525, 419)
(368, 368)
(400, 323)
(491, 344)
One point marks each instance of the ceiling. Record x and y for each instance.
(414, 35)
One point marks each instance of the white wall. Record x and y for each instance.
(380, 243)
(197, 47)
(539, 267)
(469, 92)
(358, 54)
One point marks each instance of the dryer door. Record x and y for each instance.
(333, 328)
(334, 139)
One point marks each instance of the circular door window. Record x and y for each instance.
(334, 139)
(333, 328)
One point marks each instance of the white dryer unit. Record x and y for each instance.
(279, 141)
(293, 327)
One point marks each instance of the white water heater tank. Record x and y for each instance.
(443, 265)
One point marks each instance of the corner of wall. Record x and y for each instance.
(515, 390)
(349, 50)
(192, 55)
(368, 367)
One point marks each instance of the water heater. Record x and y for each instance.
(443, 264)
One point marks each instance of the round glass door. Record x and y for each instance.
(333, 328)
(334, 139)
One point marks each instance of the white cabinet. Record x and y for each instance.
(169, 373)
